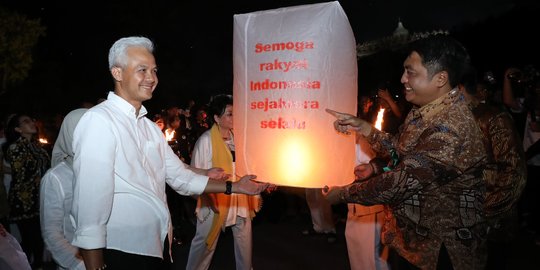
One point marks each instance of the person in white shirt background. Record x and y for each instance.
(56, 195)
(216, 148)
(364, 223)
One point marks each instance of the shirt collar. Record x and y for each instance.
(125, 106)
(429, 110)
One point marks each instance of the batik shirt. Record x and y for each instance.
(434, 196)
(29, 162)
(506, 173)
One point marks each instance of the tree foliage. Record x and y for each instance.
(18, 36)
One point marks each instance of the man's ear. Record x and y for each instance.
(442, 78)
(17, 129)
(117, 73)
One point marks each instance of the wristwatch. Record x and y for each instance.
(228, 187)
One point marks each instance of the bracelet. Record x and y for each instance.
(104, 266)
(228, 187)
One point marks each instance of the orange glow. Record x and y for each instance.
(43, 140)
(169, 135)
(295, 157)
(294, 160)
(380, 120)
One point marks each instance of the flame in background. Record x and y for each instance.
(169, 135)
(43, 140)
(378, 123)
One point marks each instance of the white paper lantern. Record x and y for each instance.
(289, 65)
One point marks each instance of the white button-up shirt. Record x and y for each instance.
(121, 165)
(56, 195)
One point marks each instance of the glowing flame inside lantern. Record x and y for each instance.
(295, 160)
(169, 135)
(378, 123)
(43, 140)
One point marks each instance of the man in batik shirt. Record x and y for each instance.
(434, 195)
(506, 173)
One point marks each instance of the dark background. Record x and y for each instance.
(194, 43)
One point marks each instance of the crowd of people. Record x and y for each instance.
(445, 182)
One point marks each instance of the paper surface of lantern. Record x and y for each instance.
(289, 65)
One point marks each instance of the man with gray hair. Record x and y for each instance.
(122, 163)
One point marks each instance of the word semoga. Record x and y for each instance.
(299, 46)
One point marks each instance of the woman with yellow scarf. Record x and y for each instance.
(215, 212)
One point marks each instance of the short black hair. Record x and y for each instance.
(443, 53)
(217, 106)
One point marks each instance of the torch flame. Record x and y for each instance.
(378, 123)
(169, 135)
(43, 140)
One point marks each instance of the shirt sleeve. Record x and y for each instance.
(416, 170)
(94, 145)
(21, 165)
(52, 214)
(506, 178)
(180, 178)
(201, 157)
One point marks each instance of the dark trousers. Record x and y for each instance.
(118, 260)
(529, 201)
(31, 240)
(443, 263)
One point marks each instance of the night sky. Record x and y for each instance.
(194, 42)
